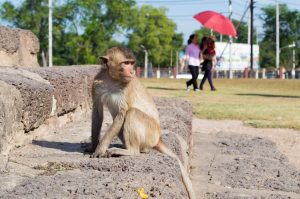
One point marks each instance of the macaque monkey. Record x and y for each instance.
(135, 117)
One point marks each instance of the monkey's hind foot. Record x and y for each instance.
(115, 152)
(99, 155)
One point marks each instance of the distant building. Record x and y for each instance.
(240, 56)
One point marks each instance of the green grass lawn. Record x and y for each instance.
(259, 103)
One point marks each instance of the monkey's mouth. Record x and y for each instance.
(127, 78)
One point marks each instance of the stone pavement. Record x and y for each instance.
(54, 165)
(231, 161)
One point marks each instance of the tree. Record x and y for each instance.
(242, 31)
(289, 32)
(176, 43)
(82, 30)
(31, 15)
(152, 29)
(204, 32)
(101, 19)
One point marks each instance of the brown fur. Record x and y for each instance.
(135, 117)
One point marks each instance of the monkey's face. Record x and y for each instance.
(126, 70)
(119, 62)
(122, 71)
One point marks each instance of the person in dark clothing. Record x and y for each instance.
(208, 54)
(203, 43)
(193, 53)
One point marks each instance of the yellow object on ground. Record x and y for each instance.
(142, 193)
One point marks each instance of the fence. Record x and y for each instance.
(170, 72)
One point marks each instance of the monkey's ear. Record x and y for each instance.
(104, 59)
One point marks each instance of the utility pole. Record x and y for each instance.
(50, 33)
(171, 61)
(294, 60)
(230, 41)
(177, 56)
(251, 34)
(249, 22)
(146, 64)
(277, 36)
(146, 61)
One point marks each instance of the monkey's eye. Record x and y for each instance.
(129, 62)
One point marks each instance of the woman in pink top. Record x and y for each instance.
(192, 52)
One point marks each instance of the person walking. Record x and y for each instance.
(209, 56)
(192, 52)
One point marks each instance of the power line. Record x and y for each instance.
(168, 3)
(189, 15)
(238, 3)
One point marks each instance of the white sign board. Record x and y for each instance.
(240, 56)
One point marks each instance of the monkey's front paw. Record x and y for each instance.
(97, 154)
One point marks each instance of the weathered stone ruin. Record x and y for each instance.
(18, 47)
(37, 102)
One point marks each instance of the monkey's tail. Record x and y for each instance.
(161, 147)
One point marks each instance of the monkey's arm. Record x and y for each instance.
(110, 134)
(97, 119)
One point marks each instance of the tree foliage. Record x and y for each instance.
(152, 29)
(289, 32)
(32, 15)
(82, 30)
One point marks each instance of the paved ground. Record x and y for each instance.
(230, 161)
(238, 162)
(54, 165)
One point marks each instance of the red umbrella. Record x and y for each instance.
(217, 22)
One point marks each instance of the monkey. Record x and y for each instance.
(134, 113)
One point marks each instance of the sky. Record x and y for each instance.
(182, 11)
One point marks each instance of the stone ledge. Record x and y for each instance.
(18, 47)
(162, 179)
(40, 94)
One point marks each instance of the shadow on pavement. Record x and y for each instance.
(68, 146)
(63, 146)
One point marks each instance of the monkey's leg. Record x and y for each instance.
(114, 151)
(121, 137)
(140, 132)
(120, 152)
(112, 132)
(97, 119)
